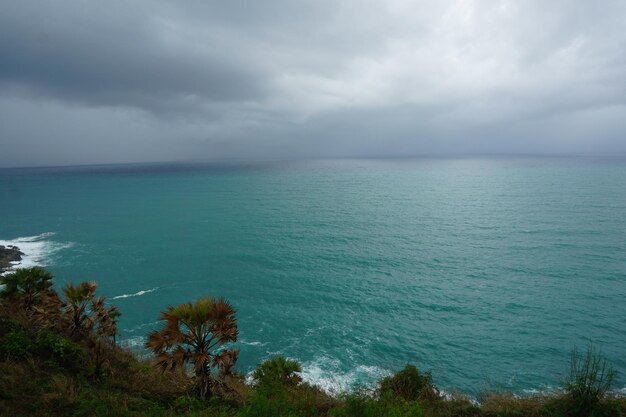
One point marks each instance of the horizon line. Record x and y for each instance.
(320, 158)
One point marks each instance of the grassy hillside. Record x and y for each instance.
(58, 357)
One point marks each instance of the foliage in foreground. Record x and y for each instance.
(58, 357)
(591, 377)
(278, 371)
(195, 334)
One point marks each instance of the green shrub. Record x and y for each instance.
(62, 351)
(259, 405)
(188, 403)
(591, 377)
(287, 400)
(17, 344)
(278, 371)
(410, 385)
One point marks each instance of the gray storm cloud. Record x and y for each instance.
(97, 82)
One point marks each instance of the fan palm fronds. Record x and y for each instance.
(195, 334)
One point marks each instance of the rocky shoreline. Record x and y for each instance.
(8, 255)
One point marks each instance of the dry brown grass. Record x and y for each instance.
(17, 392)
(509, 405)
(142, 378)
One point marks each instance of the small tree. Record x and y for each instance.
(591, 377)
(195, 334)
(76, 307)
(409, 384)
(47, 314)
(26, 286)
(278, 371)
(105, 318)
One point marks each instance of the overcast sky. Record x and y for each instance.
(132, 81)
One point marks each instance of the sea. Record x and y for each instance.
(485, 271)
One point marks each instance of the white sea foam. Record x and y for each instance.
(325, 372)
(249, 343)
(37, 250)
(137, 341)
(140, 327)
(135, 345)
(137, 294)
(543, 390)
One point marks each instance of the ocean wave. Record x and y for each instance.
(37, 250)
(136, 345)
(137, 294)
(544, 390)
(132, 342)
(251, 343)
(140, 327)
(326, 373)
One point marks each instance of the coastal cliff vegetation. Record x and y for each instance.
(59, 357)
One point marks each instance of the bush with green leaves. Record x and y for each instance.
(302, 400)
(16, 344)
(278, 371)
(62, 351)
(409, 384)
(591, 378)
(278, 405)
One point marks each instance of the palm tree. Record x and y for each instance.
(47, 314)
(196, 334)
(104, 330)
(26, 286)
(75, 307)
(105, 318)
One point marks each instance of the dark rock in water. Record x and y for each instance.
(9, 254)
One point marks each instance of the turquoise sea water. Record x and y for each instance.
(486, 271)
